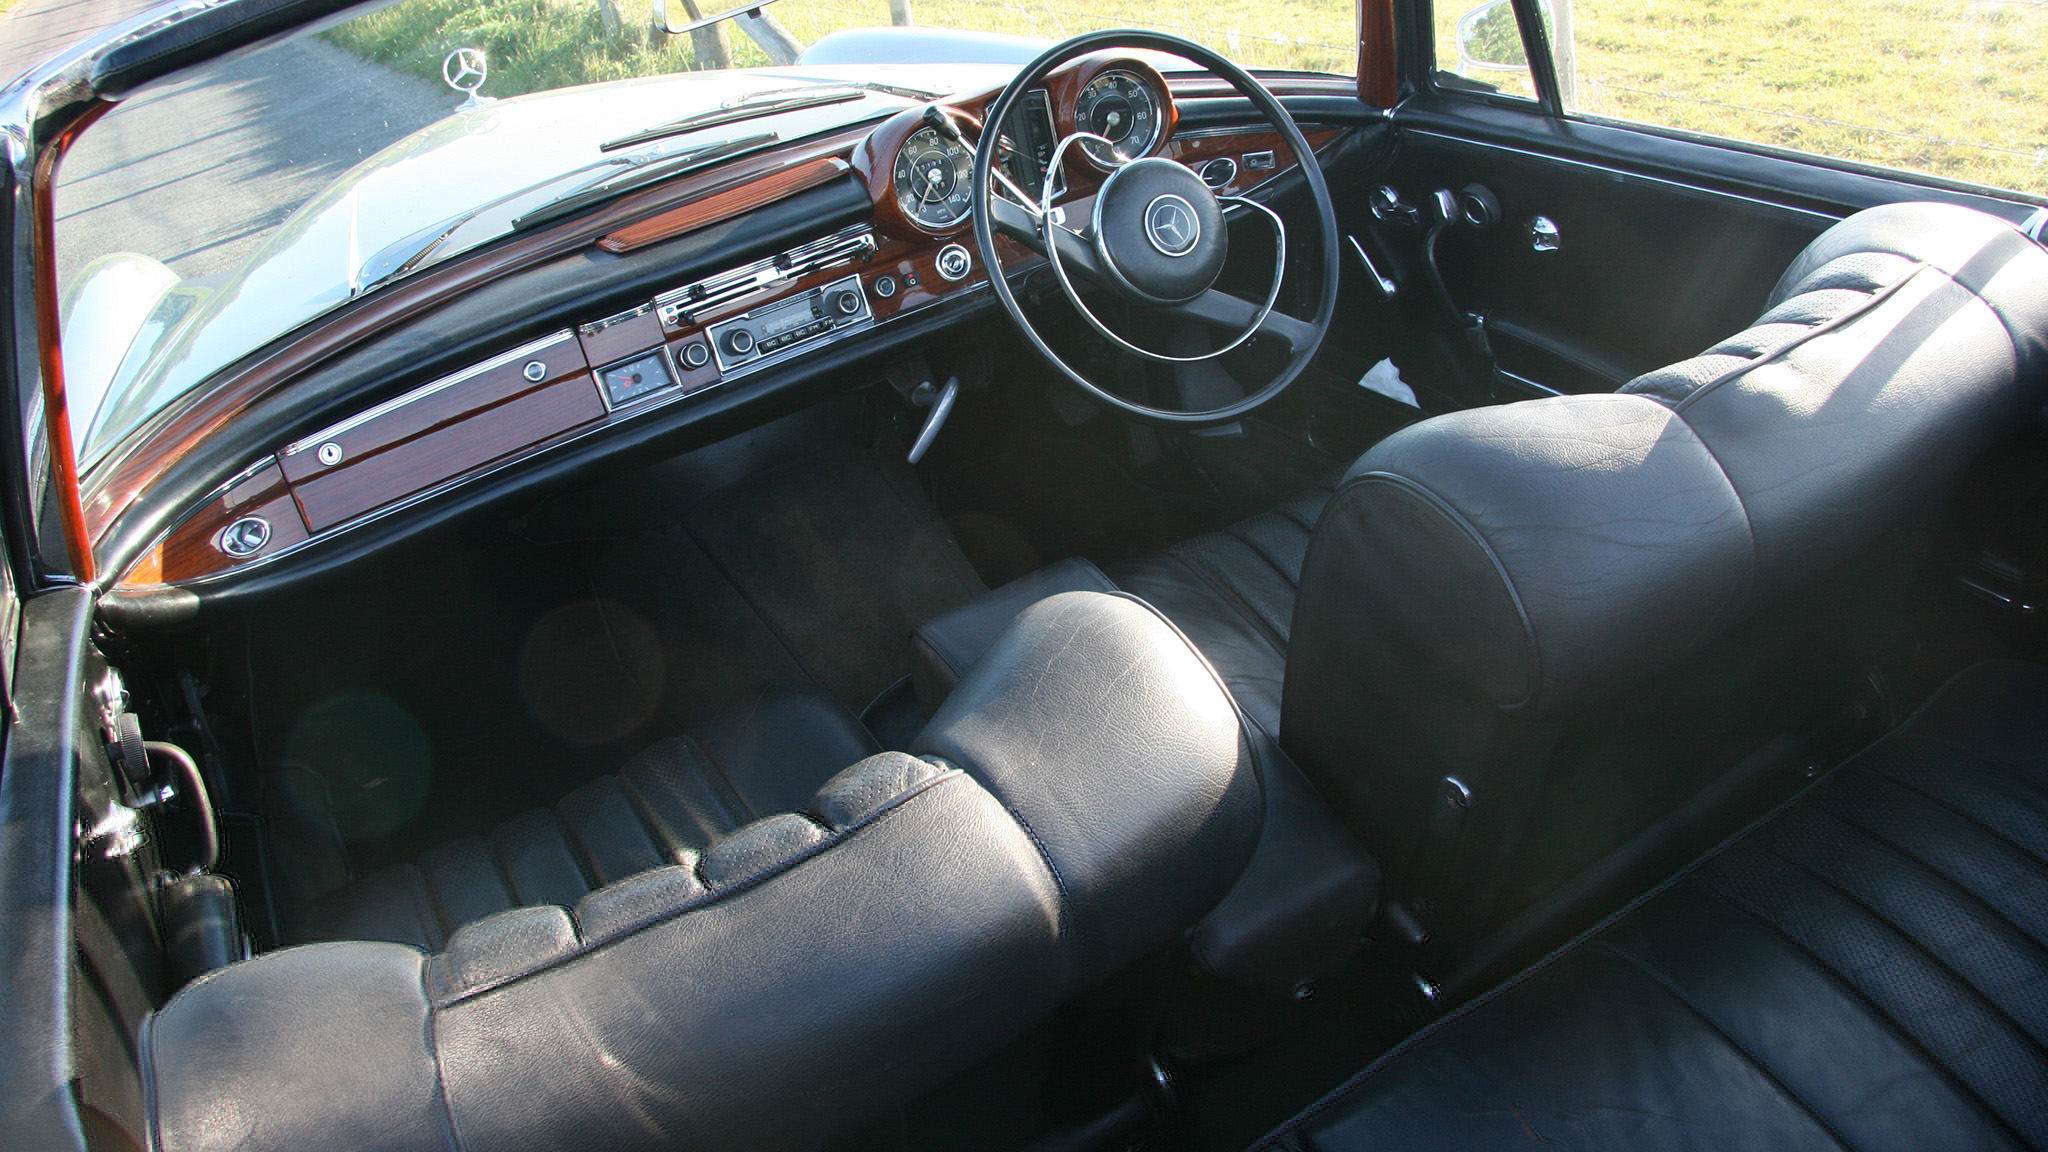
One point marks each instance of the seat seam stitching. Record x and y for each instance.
(1230, 602)
(633, 807)
(1260, 551)
(1915, 945)
(1962, 813)
(579, 854)
(1671, 989)
(712, 761)
(708, 896)
(1876, 1013)
(1800, 341)
(1941, 875)
(643, 811)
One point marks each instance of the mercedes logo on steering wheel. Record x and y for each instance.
(465, 70)
(1171, 225)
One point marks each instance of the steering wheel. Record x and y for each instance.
(1157, 236)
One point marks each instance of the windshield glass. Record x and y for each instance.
(213, 213)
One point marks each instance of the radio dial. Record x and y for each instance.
(739, 342)
(846, 303)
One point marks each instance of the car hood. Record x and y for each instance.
(315, 260)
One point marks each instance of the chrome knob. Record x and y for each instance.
(739, 342)
(954, 263)
(695, 354)
(846, 303)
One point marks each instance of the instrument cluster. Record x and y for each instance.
(925, 175)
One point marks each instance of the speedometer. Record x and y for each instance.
(1120, 107)
(932, 178)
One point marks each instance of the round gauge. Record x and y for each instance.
(1119, 106)
(933, 175)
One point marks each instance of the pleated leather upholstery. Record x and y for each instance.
(1867, 969)
(1232, 592)
(766, 753)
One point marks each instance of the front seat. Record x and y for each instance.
(1506, 641)
(1086, 795)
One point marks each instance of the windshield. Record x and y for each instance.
(213, 213)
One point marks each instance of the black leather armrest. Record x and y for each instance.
(1115, 745)
(945, 647)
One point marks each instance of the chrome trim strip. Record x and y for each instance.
(1518, 378)
(631, 411)
(679, 307)
(420, 393)
(1545, 156)
(198, 506)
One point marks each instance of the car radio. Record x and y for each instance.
(756, 338)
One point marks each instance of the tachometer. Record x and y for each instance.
(1119, 106)
(932, 179)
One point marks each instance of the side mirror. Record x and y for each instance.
(1489, 40)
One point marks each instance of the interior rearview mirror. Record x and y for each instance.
(676, 17)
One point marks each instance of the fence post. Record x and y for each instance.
(708, 43)
(899, 13)
(1564, 53)
(768, 32)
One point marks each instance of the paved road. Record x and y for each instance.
(199, 172)
(35, 30)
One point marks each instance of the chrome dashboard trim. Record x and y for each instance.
(633, 411)
(397, 403)
(679, 307)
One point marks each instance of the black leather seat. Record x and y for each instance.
(1484, 589)
(1086, 794)
(1867, 969)
(764, 754)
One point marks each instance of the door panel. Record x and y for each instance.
(1665, 245)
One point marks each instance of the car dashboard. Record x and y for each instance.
(915, 251)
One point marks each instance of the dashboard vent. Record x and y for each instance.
(683, 305)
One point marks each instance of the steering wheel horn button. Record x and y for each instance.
(1159, 231)
(1171, 226)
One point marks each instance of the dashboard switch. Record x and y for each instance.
(695, 354)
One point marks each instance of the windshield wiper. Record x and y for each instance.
(676, 165)
(411, 253)
(750, 110)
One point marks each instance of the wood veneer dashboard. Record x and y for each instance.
(676, 345)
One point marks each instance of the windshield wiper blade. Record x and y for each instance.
(677, 165)
(408, 253)
(735, 114)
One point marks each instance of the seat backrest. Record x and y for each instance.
(1483, 577)
(1086, 794)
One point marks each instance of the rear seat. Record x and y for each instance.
(1867, 969)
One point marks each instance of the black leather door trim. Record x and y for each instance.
(1802, 215)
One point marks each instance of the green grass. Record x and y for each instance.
(539, 44)
(1955, 88)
